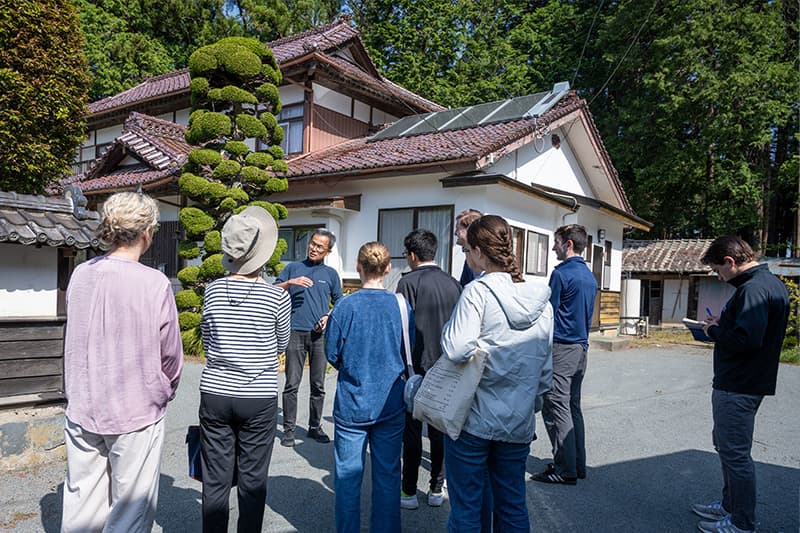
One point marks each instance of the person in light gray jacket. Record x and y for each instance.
(513, 321)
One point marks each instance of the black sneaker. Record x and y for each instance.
(288, 439)
(550, 476)
(318, 435)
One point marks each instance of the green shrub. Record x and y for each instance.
(202, 61)
(276, 152)
(193, 185)
(188, 299)
(276, 136)
(237, 148)
(212, 268)
(255, 175)
(192, 342)
(207, 127)
(189, 319)
(241, 63)
(268, 94)
(216, 191)
(282, 211)
(254, 46)
(259, 159)
(195, 221)
(212, 243)
(280, 249)
(280, 166)
(228, 204)
(250, 125)
(226, 169)
(272, 74)
(188, 250)
(188, 275)
(277, 184)
(205, 157)
(199, 86)
(237, 194)
(266, 206)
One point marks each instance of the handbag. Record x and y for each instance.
(414, 380)
(447, 391)
(193, 449)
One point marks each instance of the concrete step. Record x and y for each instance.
(609, 344)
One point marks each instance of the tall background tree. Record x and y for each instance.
(43, 83)
(695, 99)
(234, 97)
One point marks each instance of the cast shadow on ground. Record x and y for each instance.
(178, 508)
(654, 494)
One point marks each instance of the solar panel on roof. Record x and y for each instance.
(471, 116)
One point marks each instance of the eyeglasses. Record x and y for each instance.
(317, 247)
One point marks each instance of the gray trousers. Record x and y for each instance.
(734, 418)
(562, 413)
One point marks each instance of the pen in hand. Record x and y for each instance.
(708, 312)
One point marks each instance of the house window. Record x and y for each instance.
(536, 260)
(587, 252)
(607, 265)
(297, 239)
(163, 253)
(519, 246)
(395, 224)
(291, 120)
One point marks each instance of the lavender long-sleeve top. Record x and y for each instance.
(122, 352)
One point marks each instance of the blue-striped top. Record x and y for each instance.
(245, 326)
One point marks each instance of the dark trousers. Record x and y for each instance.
(561, 412)
(241, 432)
(302, 343)
(734, 419)
(412, 456)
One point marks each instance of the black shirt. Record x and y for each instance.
(750, 333)
(433, 295)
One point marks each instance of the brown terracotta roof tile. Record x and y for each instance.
(325, 39)
(123, 178)
(28, 219)
(675, 256)
(463, 144)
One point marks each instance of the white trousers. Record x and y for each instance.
(112, 480)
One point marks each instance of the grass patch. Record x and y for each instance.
(791, 355)
(661, 337)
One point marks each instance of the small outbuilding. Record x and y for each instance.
(40, 240)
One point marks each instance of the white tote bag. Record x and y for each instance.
(447, 391)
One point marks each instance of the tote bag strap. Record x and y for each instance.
(401, 303)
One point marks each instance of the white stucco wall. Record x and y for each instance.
(712, 293)
(28, 281)
(519, 209)
(675, 298)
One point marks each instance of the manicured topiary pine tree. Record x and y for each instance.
(234, 98)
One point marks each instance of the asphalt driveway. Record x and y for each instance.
(648, 419)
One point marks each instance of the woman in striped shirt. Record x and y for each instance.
(246, 324)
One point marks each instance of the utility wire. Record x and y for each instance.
(635, 38)
(585, 42)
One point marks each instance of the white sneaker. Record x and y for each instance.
(408, 502)
(436, 499)
(721, 526)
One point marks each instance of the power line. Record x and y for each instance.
(586, 41)
(635, 37)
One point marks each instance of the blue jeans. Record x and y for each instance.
(468, 460)
(349, 450)
(734, 419)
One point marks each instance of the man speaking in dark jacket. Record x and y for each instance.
(432, 295)
(747, 336)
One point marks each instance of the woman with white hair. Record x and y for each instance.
(246, 324)
(122, 362)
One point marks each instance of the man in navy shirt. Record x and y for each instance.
(573, 289)
(312, 285)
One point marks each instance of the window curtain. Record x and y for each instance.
(439, 221)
